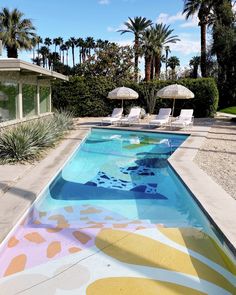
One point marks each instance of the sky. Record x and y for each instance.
(102, 18)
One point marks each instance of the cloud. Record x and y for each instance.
(115, 29)
(190, 23)
(127, 42)
(178, 17)
(104, 2)
(170, 19)
(187, 45)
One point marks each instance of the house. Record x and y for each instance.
(25, 91)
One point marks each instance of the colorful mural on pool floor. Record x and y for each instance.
(134, 253)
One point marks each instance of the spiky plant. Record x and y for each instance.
(27, 141)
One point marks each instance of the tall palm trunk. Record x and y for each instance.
(195, 69)
(12, 52)
(33, 54)
(173, 74)
(80, 56)
(166, 63)
(44, 60)
(136, 55)
(148, 66)
(83, 54)
(203, 50)
(73, 55)
(157, 66)
(152, 68)
(63, 56)
(38, 59)
(67, 54)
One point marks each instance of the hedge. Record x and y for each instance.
(88, 97)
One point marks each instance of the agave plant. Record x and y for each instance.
(27, 141)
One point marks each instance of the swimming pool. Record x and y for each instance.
(118, 189)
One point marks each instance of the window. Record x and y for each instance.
(44, 93)
(29, 94)
(8, 98)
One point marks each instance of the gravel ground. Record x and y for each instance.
(217, 156)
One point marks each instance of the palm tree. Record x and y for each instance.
(57, 42)
(80, 44)
(60, 40)
(195, 62)
(99, 43)
(136, 26)
(34, 43)
(67, 44)
(147, 41)
(90, 44)
(16, 32)
(44, 51)
(63, 48)
(73, 43)
(173, 62)
(163, 36)
(203, 10)
(53, 58)
(38, 40)
(167, 51)
(47, 42)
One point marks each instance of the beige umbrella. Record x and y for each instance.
(174, 92)
(123, 93)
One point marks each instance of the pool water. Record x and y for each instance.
(126, 172)
(120, 182)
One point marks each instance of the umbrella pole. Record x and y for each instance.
(122, 104)
(173, 107)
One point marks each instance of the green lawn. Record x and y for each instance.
(230, 110)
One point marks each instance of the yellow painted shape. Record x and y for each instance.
(201, 243)
(136, 249)
(137, 286)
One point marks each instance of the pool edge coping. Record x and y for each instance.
(213, 200)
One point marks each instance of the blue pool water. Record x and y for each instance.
(127, 173)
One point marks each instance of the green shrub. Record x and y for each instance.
(88, 96)
(84, 97)
(26, 141)
(205, 102)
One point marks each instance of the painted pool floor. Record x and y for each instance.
(71, 252)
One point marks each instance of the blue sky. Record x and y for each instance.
(101, 19)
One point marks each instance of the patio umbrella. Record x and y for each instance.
(174, 92)
(123, 93)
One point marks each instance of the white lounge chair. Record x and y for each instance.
(115, 116)
(162, 118)
(185, 119)
(132, 118)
